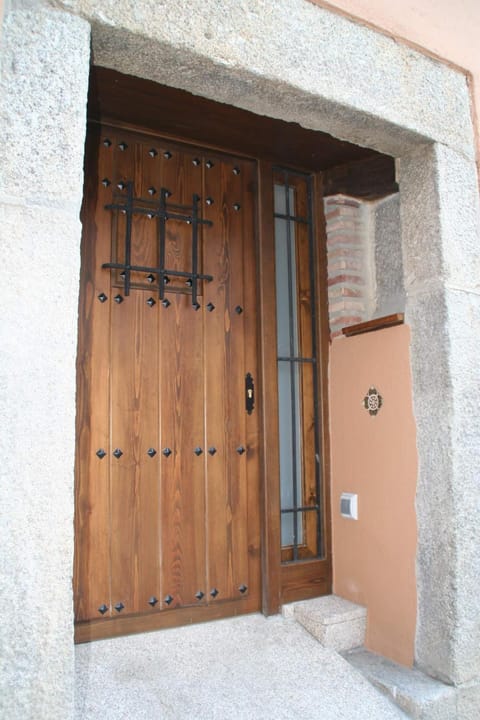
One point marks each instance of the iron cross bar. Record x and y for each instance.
(163, 212)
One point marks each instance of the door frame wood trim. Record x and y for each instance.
(324, 342)
(271, 552)
(287, 582)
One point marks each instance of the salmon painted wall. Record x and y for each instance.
(376, 457)
(448, 30)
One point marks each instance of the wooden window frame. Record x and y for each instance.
(285, 582)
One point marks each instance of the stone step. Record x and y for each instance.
(417, 694)
(336, 623)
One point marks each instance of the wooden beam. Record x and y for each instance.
(369, 178)
(122, 99)
(376, 324)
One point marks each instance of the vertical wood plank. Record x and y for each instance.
(229, 485)
(182, 413)
(92, 561)
(134, 410)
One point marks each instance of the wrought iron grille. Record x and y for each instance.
(162, 212)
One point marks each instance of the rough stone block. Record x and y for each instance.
(380, 93)
(419, 695)
(468, 702)
(336, 623)
(45, 65)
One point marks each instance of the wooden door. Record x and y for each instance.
(167, 485)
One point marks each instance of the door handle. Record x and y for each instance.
(249, 394)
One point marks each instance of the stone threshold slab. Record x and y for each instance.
(335, 622)
(417, 694)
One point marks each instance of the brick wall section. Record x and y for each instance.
(349, 269)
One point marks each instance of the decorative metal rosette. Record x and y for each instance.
(373, 401)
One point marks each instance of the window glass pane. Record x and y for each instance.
(298, 454)
(290, 452)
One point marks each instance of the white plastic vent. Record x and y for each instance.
(349, 506)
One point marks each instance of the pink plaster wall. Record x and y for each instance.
(448, 30)
(375, 456)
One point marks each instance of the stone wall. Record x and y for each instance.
(43, 87)
(388, 259)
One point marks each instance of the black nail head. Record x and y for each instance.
(118, 299)
(196, 162)
(196, 306)
(119, 607)
(151, 191)
(214, 592)
(209, 164)
(167, 155)
(102, 609)
(102, 297)
(166, 302)
(118, 453)
(168, 599)
(153, 152)
(243, 589)
(152, 452)
(209, 201)
(167, 452)
(240, 450)
(153, 601)
(121, 185)
(239, 309)
(151, 302)
(150, 278)
(188, 282)
(236, 170)
(122, 275)
(199, 595)
(210, 307)
(123, 146)
(212, 450)
(198, 451)
(237, 206)
(101, 453)
(107, 142)
(106, 182)
(166, 280)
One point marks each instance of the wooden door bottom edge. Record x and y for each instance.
(104, 628)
